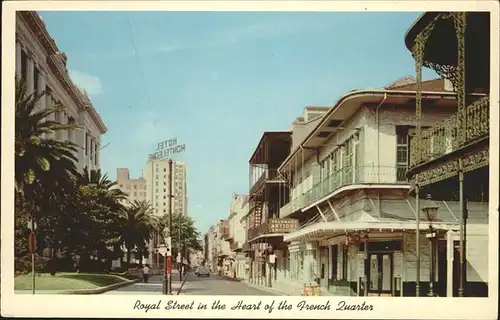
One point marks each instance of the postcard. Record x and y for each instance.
(250, 159)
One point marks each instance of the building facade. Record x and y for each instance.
(134, 188)
(450, 160)
(239, 263)
(349, 191)
(44, 69)
(157, 174)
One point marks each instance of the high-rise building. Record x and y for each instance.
(157, 176)
(134, 188)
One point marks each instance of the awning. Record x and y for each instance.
(268, 235)
(330, 229)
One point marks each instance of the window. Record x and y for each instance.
(86, 144)
(164, 190)
(401, 152)
(135, 186)
(164, 169)
(156, 197)
(36, 72)
(24, 64)
(135, 194)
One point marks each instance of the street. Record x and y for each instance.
(213, 285)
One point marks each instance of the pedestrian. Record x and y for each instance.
(145, 273)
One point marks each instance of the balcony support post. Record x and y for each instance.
(333, 210)
(321, 213)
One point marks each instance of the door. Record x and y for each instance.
(380, 273)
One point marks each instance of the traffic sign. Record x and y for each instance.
(32, 242)
(162, 250)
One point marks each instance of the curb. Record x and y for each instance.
(232, 279)
(103, 289)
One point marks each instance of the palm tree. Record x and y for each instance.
(137, 226)
(41, 163)
(34, 153)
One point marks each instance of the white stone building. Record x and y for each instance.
(44, 69)
(135, 188)
(349, 188)
(239, 262)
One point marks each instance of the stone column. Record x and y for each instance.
(52, 117)
(41, 88)
(30, 71)
(19, 51)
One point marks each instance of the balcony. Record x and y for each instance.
(236, 246)
(364, 174)
(444, 138)
(268, 175)
(272, 226)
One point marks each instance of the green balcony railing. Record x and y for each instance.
(444, 137)
(348, 176)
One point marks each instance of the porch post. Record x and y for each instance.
(449, 263)
(367, 265)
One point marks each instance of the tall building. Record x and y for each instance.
(44, 68)
(156, 175)
(135, 188)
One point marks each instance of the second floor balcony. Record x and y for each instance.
(267, 176)
(362, 174)
(274, 226)
(450, 135)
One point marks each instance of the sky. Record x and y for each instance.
(218, 80)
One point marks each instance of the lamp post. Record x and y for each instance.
(430, 210)
(32, 248)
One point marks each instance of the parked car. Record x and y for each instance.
(203, 271)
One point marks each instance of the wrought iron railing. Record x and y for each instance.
(449, 135)
(274, 225)
(267, 175)
(344, 177)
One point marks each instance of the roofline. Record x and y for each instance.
(422, 18)
(352, 95)
(267, 133)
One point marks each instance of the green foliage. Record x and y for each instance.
(77, 213)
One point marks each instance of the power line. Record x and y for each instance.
(139, 63)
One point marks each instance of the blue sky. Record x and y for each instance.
(217, 81)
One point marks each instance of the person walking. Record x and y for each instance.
(145, 273)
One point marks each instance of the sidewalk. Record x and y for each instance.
(289, 288)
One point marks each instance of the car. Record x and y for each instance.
(203, 271)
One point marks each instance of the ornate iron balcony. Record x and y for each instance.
(347, 176)
(449, 136)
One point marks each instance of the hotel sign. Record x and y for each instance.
(167, 149)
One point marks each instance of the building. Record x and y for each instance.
(134, 188)
(44, 69)
(268, 190)
(349, 191)
(222, 248)
(209, 245)
(157, 174)
(450, 160)
(239, 264)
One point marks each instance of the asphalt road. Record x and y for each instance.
(216, 285)
(213, 285)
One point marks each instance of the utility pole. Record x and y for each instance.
(170, 196)
(179, 248)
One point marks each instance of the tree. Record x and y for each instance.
(189, 235)
(137, 225)
(41, 163)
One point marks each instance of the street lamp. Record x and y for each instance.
(430, 210)
(32, 248)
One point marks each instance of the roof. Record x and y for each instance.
(354, 99)
(269, 134)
